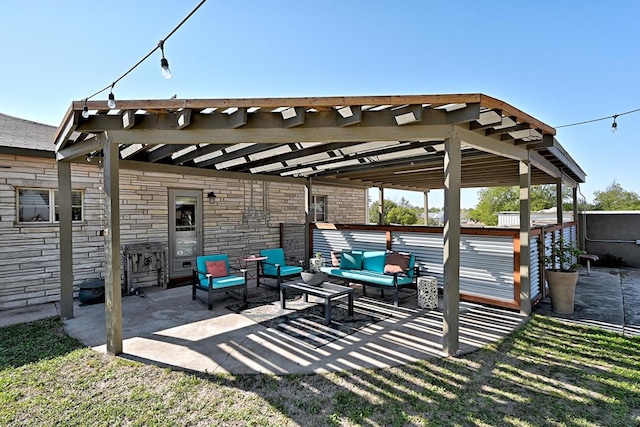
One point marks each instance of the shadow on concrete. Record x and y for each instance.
(607, 298)
(168, 328)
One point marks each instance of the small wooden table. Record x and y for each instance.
(327, 290)
(255, 259)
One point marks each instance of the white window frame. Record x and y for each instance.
(51, 207)
(315, 214)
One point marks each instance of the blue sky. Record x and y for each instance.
(560, 61)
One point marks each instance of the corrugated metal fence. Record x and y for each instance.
(489, 265)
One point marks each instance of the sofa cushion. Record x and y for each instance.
(351, 260)
(374, 261)
(395, 262)
(217, 268)
(371, 277)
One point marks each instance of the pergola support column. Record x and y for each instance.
(426, 207)
(559, 200)
(574, 194)
(308, 201)
(66, 240)
(381, 206)
(451, 250)
(113, 281)
(525, 237)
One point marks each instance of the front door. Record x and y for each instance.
(185, 231)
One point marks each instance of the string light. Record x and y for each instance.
(85, 110)
(614, 125)
(111, 103)
(164, 63)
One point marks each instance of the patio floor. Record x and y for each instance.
(166, 327)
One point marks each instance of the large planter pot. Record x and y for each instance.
(562, 289)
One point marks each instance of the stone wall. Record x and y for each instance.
(241, 221)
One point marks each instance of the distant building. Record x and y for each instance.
(545, 216)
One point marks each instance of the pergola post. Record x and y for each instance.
(113, 281)
(381, 206)
(308, 201)
(559, 200)
(525, 237)
(66, 240)
(426, 207)
(575, 203)
(451, 250)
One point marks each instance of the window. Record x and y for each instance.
(318, 208)
(42, 205)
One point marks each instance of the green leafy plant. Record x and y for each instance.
(563, 256)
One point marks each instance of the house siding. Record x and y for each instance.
(241, 221)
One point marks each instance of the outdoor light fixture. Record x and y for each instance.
(614, 125)
(212, 196)
(164, 62)
(403, 119)
(289, 113)
(111, 103)
(345, 112)
(85, 110)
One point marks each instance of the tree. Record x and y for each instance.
(394, 213)
(616, 198)
(493, 200)
(502, 199)
(402, 215)
(373, 210)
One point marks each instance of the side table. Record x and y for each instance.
(427, 292)
(255, 259)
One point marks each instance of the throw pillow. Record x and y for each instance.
(335, 262)
(351, 260)
(395, 262)
(217, 268)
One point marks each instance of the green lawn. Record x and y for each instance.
(547, 373)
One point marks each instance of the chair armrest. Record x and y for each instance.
(416, 271)
(270, 263)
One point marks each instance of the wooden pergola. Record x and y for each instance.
(415, 142)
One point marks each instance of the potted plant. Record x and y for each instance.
(561, 274)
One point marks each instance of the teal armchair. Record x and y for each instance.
(275, 267)
(213, 275)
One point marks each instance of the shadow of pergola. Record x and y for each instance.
(172, 330)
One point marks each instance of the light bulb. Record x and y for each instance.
(111, 103)
(166, 72)
(85, 111)
(614, 125)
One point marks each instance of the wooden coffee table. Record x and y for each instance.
(327, 290)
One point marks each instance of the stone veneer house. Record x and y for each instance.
(244, 217)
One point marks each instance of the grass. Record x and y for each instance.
(547, 373)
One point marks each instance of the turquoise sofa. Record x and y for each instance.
(368, 269)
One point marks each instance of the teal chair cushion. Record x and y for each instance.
(374, 261)
(218, 282)
(276, 256)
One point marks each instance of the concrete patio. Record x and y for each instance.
(167, 328)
